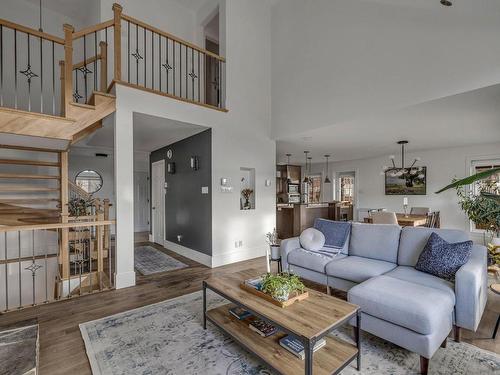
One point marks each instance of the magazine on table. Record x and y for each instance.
(240, 313)
(295, 346)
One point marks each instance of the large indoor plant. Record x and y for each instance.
(282, 285)
(482, 207)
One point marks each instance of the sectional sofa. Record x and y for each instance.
(412, 309)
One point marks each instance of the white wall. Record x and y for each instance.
(337, 60)
(442, 166)
(240, 138)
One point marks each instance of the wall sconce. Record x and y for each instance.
(171, 167)
(268, 183)
(195, 163)
(223, 181)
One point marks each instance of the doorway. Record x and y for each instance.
(158, 201)
(212, 65)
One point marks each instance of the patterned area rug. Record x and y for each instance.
(148, 260)
(19, 349)
(168, 338)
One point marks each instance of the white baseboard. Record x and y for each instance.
(150, 237)
(124, 280)
(238, 256)
(189, 253)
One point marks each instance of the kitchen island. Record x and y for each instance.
(292, 219)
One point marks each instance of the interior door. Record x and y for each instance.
(158, 201)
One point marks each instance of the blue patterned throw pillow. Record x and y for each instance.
(443, 259)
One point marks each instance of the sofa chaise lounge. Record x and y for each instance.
(376, 267)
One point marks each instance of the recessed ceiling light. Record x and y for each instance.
(307, 138)
(446, 3)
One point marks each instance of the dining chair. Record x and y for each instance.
(383, 217)
(433, 220)
(420, 211)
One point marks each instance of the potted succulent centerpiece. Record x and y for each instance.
(282, 286)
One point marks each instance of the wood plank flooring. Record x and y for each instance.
(62, 350)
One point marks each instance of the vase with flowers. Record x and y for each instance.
(247, 193)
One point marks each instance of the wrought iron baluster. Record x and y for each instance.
(1, 67)
(199, 77)
(220, 81)
(187, 88)
(46, 266)
(6, 276)
(95, 61)
(145, 56)
(85, 65)
(167, 67)
(15, 68)
(53, 80)
(173, 62)
(19, 268)
(180, 69)
(128, 51)
(136, 55)
(80, 260)
(89, 252)
(152, 60)
(159, 59)
(41, 75)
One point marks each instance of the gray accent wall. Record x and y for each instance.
(188, 212)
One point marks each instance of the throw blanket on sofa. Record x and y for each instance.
(335, 232)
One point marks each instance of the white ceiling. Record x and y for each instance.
(85, 11)
(464, 119)
(150, 133)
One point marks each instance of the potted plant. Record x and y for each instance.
(79, 206)
(247, 193)
(274, 245)
(483, 209)
(282, 285)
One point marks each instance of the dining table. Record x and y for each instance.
(406, 220)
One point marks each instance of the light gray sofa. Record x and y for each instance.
(412, 309)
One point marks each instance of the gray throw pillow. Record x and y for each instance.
(443, 259)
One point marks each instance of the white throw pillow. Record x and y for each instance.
(312, 239)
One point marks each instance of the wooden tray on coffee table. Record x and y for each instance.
(291, 300)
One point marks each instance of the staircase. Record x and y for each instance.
(30, 186)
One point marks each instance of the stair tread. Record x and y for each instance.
(29, 176)
(28, 200)
(30, 162)
(24, 188)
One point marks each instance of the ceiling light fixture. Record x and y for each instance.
(446, 3)
(402, 171)
(288, 180)
(327, 179)
(40, 28)
(306, 180)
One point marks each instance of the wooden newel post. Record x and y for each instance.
(106, 228)
(104, 66)
(68, 65)
(117, 10)
(64, 244)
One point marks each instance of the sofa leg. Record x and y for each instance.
(424, 365)
(457, 334)
(443, 345)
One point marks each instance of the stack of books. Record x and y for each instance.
(295, 346)
(262, 328)
(240, 313)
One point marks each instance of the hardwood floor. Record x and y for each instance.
(62, 350)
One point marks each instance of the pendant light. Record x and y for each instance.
(306, 180)
(327, 179)
(402, 171)
(288, 180)
(309, 180)
(40, 28)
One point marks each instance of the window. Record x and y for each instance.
(346, 188)
(314, 191)
(89, 180)
(489, 185)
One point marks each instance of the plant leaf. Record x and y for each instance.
(491, 196)
(471, 179)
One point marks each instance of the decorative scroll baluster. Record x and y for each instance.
(6, 274)
(1, 65)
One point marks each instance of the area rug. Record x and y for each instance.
(168, 338)
(19, 349)
(148, 260)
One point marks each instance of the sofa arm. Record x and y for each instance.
(286, 246)
(471, 289)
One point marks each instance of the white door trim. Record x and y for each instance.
(158, 208)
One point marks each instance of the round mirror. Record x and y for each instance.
(89, 180)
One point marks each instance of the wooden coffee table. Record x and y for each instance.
(309, 320)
